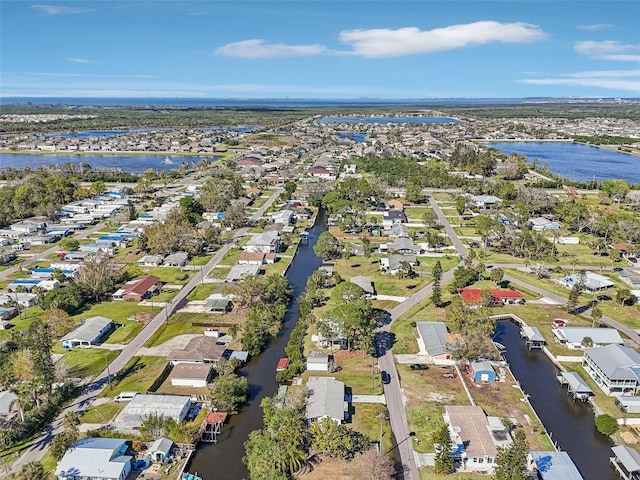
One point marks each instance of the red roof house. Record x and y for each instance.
(138, 289)
(507, 297)
(471, 295)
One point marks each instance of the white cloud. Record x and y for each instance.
(627, 80)
(60, 10)
(260, 49)
(594, 27)
(383, 42)
(609, 50)
(378, 43)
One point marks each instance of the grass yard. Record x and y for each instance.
(277, 267)
(219, 273)
(87, 362)
(22, 321)
(202, 292)
(137, 375)
(200, 260)
(173, 275)
(366, 419)
(427, 473)
(183, 322)
(102, 413)
(117, 310)
(127, 331)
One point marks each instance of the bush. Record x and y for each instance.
(606, 424)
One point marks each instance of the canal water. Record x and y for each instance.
(570, 423)
(223, 461)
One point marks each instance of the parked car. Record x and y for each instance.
(125, 396)
(419, 366)
(386, 378)
(449, 375)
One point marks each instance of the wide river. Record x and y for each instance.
(223, 461)
(576, 161)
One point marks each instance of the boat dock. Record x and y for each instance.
(532, 337)
(576, 386)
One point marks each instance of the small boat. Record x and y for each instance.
(500, 346)
(190, 476)
(167, 161)
(283, 363)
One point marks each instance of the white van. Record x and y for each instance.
(125, 396)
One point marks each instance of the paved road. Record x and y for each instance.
(460, 248)
(93, 388)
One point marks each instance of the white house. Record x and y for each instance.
(593, 282)
(92, 458)
(263, 242)
(573, 337)
(615, 368)
(190, 375)
(325, 400)
(318, 362)
(87, 334)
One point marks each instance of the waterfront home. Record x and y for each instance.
(533, 338)
(240, 272)
(268, 242)
(196, 375)
(626, 461)
(218, 303)
(325, 400)
(593, 283)
(200, 349)
(574, 337)
(628, 403)
(88, 333)
(475, 436)
(138, 289)
(552, 465)
(91, 458)
(472, 296)
(615, 368)
(481, 371)
(433, 340)
(248, 258)
(142, 406)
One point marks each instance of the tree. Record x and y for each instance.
(606, 424)
(152, 427)
(69, 244)
(444, 457)
(430, 219)
(228, 392)
(436, 293)
(327, 246)
(372, 465)
(512, 460)
(32, 471)
(99, 275)
(587, 342)
(624, 296)
(596, 315)
(576, 291)
(192, 209)
(497, 275)
(335, 439)
(616, 189)
(414, 193)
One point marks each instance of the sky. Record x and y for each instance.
(329, 49)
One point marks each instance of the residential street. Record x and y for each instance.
(93, 388)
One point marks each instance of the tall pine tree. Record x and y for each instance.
(512, 460)
(436, 294)
(444, 457)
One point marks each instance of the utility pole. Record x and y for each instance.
(108, 372)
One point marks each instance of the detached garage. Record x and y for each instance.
(482, 372)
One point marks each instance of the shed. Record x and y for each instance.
(160, 450)
(482, 371)
(318, 362)
(195, 375)
(628, 403)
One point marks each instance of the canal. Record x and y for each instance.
(570, 423)
(223, 461)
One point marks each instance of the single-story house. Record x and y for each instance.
(201, 349)
(87, 334)
(627, 250)
(195, 375)
(397, 230)
(325, 400)
(484, 202)
(626, 461)
(507, 297)
(150, 261)
(593, 282)
(475, 436)
(318, 362)
(25, 284)
(91, 458)
(615, 368)
(23, 299)
(138, 289)
(141, 406)
(573, 337)
(471, 296)
(250, 258)
(393, 263)
(239, 272)
(403, 246)
(218, 303)
(433, 339)
(474, 296)
(160, 450)
(393, 216)
(481, 371)
(630, 277)
(176, 259)
(552, 465)
(7, 313)
(540, 224)
(365, 283)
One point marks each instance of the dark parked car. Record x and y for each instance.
(386, 378)
(419, 366)
(617, 269)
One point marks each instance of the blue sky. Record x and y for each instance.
(320, 49)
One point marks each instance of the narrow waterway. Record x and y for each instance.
(223, 461)
(569, 422)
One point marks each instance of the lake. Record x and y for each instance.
(576, 161)
(126, 163)
(416, 120)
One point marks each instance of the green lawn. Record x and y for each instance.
(200, 260)
(366, 419)
(116, 310)
(179, 324)
(87, 362)
(202, 292)
(171, 275)
(137, 375)
(126, 332)
(102, 413)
